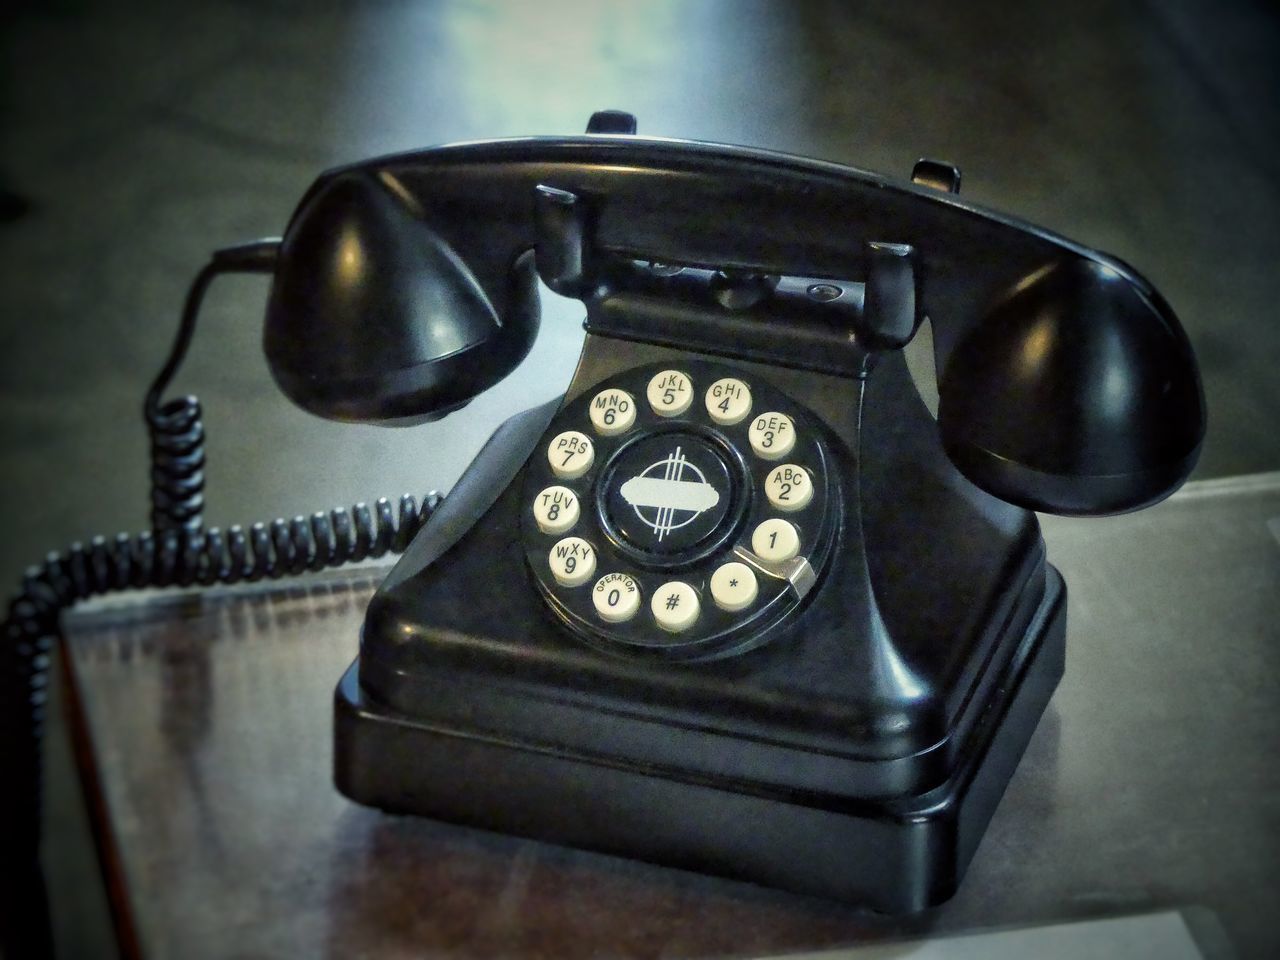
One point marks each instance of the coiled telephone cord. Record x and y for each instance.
(177, 552)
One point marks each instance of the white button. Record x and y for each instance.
(556, 509)
(772, 435)
(613, 412)
(570, 454)
(775, 540)
(728, 401)
(573, 561)
(733, 586)
(788, 487)
(670, 393)
(675, 606)
(616, 597)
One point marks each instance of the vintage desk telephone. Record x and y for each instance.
(737, 602)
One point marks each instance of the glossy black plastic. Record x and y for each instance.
(873, 730)
(374, 317)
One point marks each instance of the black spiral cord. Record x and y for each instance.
(177, 551)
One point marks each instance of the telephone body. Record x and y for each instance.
(736, 602)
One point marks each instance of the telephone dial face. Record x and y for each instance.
(679, 511)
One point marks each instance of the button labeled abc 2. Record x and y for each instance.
(789, 487)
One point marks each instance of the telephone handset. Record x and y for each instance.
(737, 602)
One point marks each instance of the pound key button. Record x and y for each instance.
(670, 393)
(675, 606)
(613, 412)
(572, 561)
(616, 597)
(556, 509)
(788, 487)
(772, 435)
(570, 454)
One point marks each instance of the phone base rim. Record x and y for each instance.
(892, 855)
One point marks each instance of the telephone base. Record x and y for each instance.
(894, 855)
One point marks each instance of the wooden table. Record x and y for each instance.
(204, 724)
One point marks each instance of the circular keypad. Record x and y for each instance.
(666, 516)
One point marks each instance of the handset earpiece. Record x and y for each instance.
(374, 317)
(1075, 393)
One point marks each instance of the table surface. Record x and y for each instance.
(1151, 782)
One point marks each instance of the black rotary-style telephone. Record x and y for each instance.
(737, 602)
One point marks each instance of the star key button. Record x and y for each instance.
(733, 586)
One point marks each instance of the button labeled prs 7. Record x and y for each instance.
(772, 435)
(572, 561)
(728, 401)
(556, 509)
(670, 393)
(570, 454)
(613, 411)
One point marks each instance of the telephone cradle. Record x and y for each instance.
(739, 601)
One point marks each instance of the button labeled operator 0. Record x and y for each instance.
(775, 540)
(570, 454)
(613, 412)
(728, 401)
(733, 586)
(670, 393)
(616, 597)
(556, 509)
(788, 487)
(572, 561)
(675, 606)
(772, 435)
